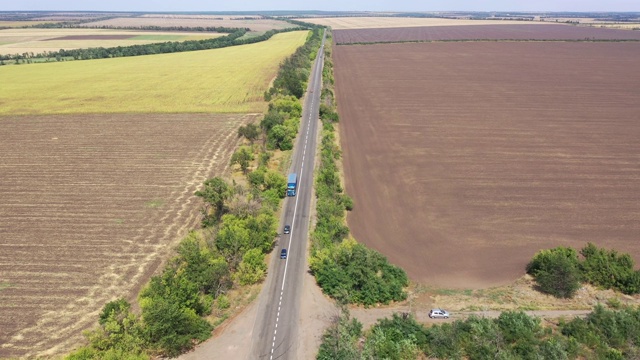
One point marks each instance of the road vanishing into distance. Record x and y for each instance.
(275, 331)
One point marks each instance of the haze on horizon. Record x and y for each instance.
(326, 5)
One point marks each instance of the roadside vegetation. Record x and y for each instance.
(603, 334)
(344, 269)
(560, 272)
(238, 230)
(282, 121)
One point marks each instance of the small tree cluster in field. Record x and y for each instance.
(559, 271)
(603, 334)
(344, 269)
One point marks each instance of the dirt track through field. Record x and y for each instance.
(464, 159)
(91, 206)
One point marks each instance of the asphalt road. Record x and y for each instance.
(275, 329)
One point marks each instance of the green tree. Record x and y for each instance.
(250, 132)
(340, 339)
(609, 269)
(252, 269)
(242, 157)
(556, 271)
(120, 331)
(233, 239)
(279, 138)
(208, 271)
(276, 181)
(172, 327)
(288, 106)
(215, 192)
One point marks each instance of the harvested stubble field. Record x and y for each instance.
(483, 32)
(191, 21)
(91, 205)
(19, 41)
(230, 80)
(464, 159)
(372, 22)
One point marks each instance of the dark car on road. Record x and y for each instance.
(287, 229)
(283, 254)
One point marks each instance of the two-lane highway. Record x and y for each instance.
(275, 330)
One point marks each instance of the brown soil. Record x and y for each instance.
(91, 206)
(484, 32)
(464, 159)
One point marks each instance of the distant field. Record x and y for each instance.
(626, 26)
(18, 41)
(192, 21)
(466, 158)
(91, 206)
(526, 31)
(338, 23)
(15, 24)
(228, 80)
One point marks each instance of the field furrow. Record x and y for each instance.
(91, 206)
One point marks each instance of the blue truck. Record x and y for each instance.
(292, 184)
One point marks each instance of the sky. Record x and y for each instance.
(329, 5)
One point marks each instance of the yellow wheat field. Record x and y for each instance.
(228, 80)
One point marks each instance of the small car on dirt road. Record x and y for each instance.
(438, 313)
(283, 254)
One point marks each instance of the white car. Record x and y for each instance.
(438, 313)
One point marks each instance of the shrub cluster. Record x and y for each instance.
(559, 271)
(344, 269)
(603, 334)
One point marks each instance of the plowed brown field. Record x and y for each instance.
(464, 159)
(89, 208)
(483, 32)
